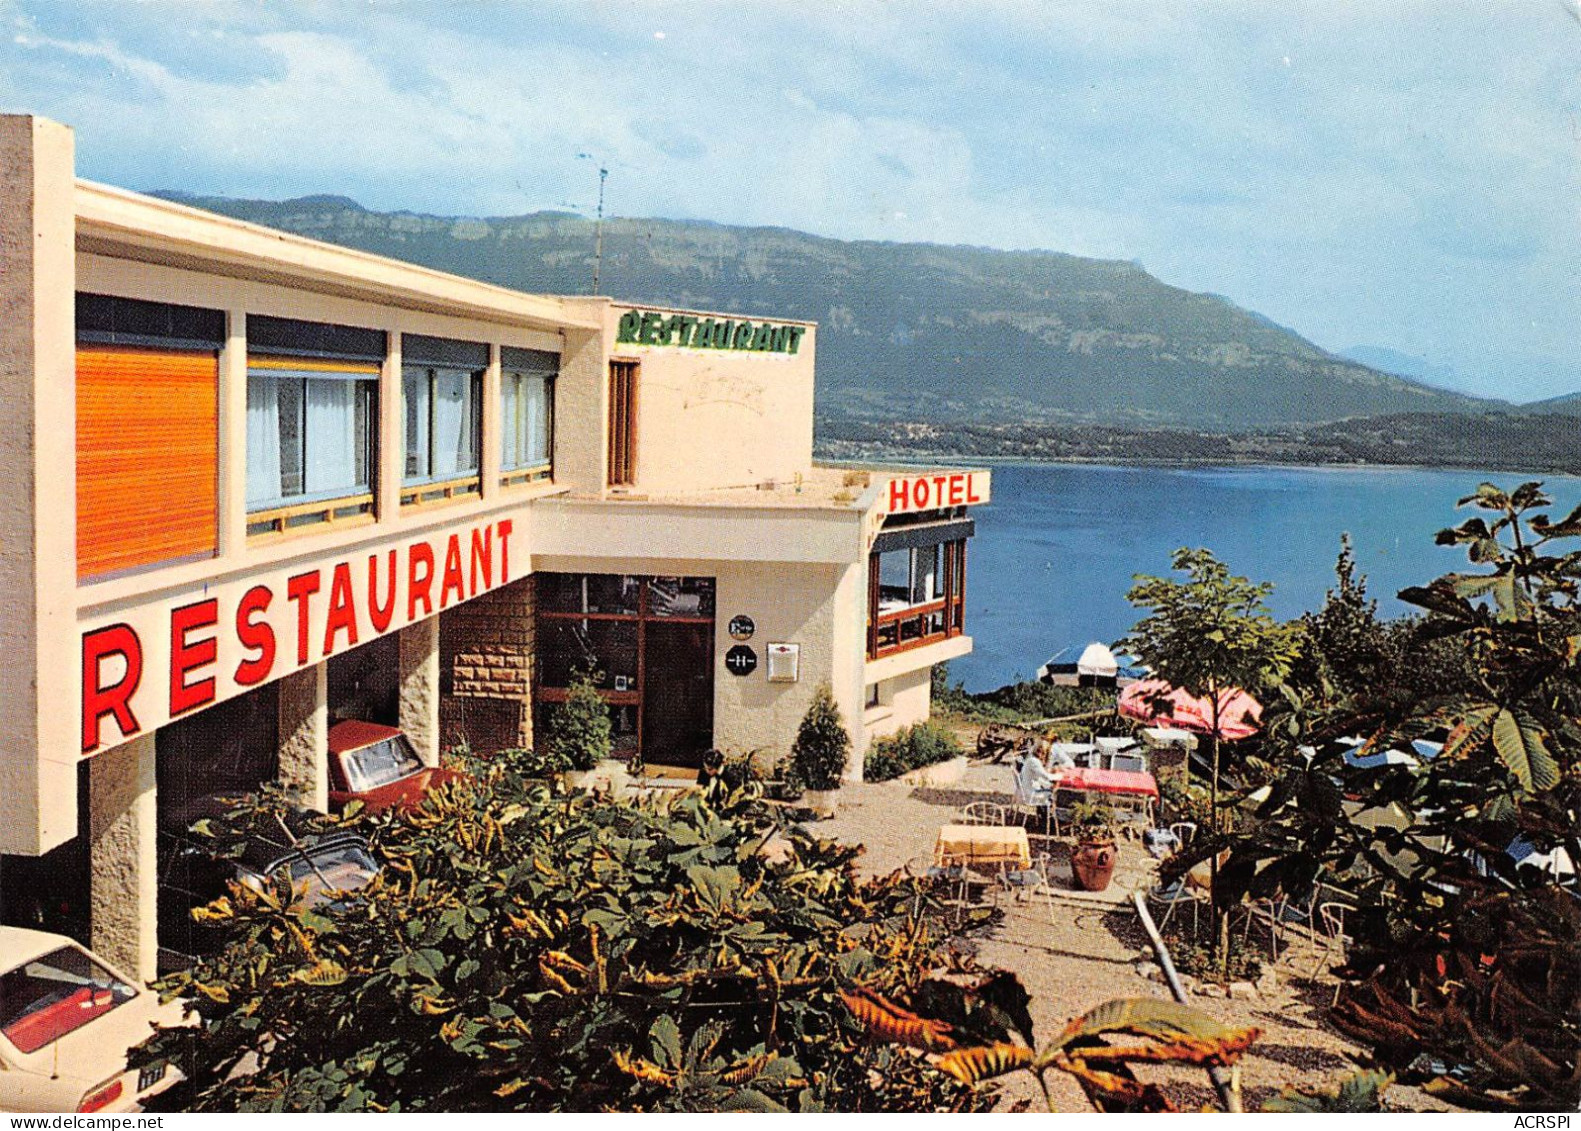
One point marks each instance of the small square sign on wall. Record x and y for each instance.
(784, 662)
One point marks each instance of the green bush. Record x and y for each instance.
(579, 730)
(925, 744)
(1015, 702)
(822, 743)
(535, 951)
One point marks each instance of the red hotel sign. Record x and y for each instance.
(163, 661)
(935, 490)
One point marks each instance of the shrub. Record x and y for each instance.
(579, 729)
(822, 744)
(538, 952)
(925, 744)
(536, 764)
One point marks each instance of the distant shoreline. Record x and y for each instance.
(951, 459)
(1504, 444)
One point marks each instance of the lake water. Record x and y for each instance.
(1056, 550)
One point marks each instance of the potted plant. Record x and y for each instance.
(820, 751)
(1093, 859)
(580, 735)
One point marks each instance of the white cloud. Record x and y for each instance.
(1403, 173)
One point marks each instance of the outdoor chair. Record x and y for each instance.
(1329, 926)
(1168, 897)
(1129, 760)
(1185, 832)
(1272, 910)
(1024, 884)
(954, 879)
(983, 813)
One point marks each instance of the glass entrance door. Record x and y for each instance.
(647, 642)
(678, 693)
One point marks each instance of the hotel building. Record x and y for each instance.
(260, 483)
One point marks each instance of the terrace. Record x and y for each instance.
(1073, 950)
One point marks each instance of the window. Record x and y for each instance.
(312, 422)
(442, 386)
(310, 441)
(527, 414)
(916, 587)
(147, 424)
(48, 997)
(909, 577)
(622, 423)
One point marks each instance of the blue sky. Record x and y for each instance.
(1379, 172)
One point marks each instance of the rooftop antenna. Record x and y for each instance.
(598, 225)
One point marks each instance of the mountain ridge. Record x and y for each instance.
(907, 330)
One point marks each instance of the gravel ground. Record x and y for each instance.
(1072, 956)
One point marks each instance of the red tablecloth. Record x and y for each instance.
(1130, 783)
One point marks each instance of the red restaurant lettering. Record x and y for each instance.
(504, 529)
(453, 578)
(299, 589)
(417, 554)
(98, 700)
(256, 636)
(379, 614)
(482, 554)
(342, 615)
(187, 656)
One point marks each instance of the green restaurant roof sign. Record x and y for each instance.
(652, 328)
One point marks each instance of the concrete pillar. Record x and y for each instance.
(419, 674)
(489, 457)
(391, 448)
(124, 881)
(233, 436)
(304, 735)
(39, 743)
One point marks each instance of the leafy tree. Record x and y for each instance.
(1208, 634)
(579, 728)
(822, 743)
(1347, 652)
(531, 951)
(1460, 952)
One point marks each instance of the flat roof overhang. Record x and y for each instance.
(624, 530)
(128, 225)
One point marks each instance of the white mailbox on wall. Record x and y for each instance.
(784, 662)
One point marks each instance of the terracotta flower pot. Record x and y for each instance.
(1093, 863)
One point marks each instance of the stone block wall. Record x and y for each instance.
(486, 665)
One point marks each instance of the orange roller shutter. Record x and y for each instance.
(147, 457)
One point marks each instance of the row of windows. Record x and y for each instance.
(313, 407)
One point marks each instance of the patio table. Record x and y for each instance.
(983, 846)
(1130, 784)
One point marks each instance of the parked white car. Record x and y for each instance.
(67, 1018)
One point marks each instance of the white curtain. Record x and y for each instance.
(331, 437)
(535, 421)
(415, 389)
(510, 411)
(263, 441)
(927, 559)
(453, 434)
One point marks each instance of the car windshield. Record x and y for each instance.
(320, 872)
(43, 1000)
(380, 764)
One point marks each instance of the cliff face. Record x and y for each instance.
(916, 331)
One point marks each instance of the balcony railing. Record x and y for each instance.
(900, 630)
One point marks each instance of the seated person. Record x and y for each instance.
(1033, 777)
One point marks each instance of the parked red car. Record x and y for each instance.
(377, 766)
